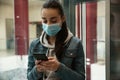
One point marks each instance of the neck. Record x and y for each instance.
(51, 39)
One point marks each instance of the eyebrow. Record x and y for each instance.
(53, 17)
(43, 18)
(50, 18)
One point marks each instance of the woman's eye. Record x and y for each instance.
(44, 21)
(53, 21)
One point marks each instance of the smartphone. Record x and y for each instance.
(42, 57)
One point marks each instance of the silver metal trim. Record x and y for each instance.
(107, 38)
(83, 30)
(83, 24)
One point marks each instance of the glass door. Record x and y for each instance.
(90, 28)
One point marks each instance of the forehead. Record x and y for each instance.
(49, 12)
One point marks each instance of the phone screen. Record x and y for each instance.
(40, 57)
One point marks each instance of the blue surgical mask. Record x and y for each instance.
(52, 29)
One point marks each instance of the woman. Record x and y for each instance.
(64, 51)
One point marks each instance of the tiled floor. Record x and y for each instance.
(98, 72)
(14, 68)
(13, 62)
(15, 74)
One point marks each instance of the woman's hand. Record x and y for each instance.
(39, 67)
(52, 64)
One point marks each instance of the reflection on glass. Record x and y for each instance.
(7, 31)
(34, 18)
(95, 34)
(115, 40)
(8, 59)
(13, 66)
(99, 50)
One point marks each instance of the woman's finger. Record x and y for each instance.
(37, 62)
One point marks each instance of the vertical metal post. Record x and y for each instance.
(107, 39)
(21, 26)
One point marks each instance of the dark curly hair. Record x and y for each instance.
(63, 33)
